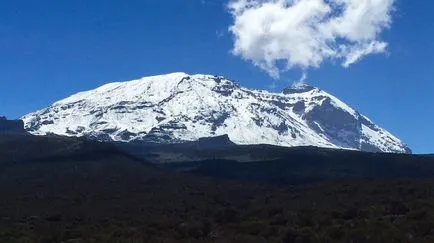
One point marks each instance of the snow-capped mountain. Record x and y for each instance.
(180, 107)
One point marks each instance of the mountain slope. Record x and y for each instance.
(10, 127)
(180, 107)
(59, 189)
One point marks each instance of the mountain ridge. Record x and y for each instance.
(179, 107)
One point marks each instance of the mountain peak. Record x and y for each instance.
(180, 107)
(174, 74)
(299, 88)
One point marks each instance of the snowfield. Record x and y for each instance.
(179, 107)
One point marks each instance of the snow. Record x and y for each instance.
(188, 107)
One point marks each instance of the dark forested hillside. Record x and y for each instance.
(282, 165)
(56, 189)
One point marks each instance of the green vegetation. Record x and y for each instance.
(107, 196)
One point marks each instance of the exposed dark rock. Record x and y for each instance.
(70, 132)
(159, 119)
(218, 79)
(299, 107)
(126, 135)
(218, 119)
(298, 88)
(47, 122)
(100, 136)
(281, 128)
(280, 104)
(258, 120)
(336, 123)
(225, 89)
(163, 133)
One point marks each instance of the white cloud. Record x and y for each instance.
(305, 33)
(301, 80)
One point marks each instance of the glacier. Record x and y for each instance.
(179, 107)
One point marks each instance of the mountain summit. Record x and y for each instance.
(179, 107)
(298, 88)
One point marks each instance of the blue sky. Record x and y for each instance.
(51, 49)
